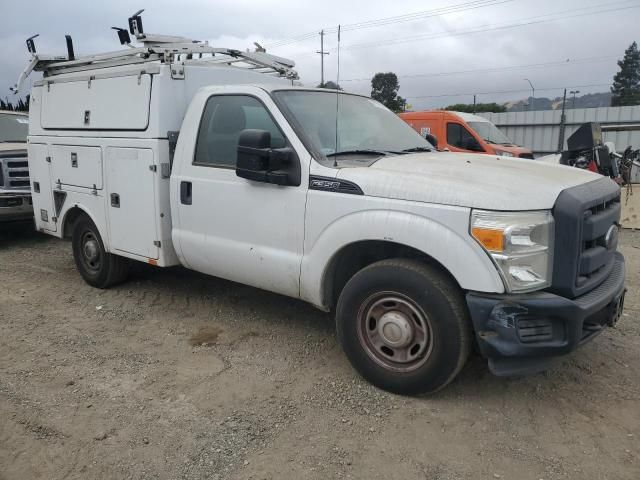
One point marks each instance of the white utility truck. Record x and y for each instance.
(178, 153)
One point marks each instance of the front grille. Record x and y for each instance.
(583, 216)
(18, 164)
(594, 255)
(14, 173)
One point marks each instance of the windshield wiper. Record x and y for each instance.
(416, 149)
(359, 152)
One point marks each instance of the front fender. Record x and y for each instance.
(448, 243)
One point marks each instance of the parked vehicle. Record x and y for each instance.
(15, 192)
(324, 196)
(464, 132)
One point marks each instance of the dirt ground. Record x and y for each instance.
(177, 375)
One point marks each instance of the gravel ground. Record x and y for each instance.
(177, 375)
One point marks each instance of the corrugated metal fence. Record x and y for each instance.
(540, 130)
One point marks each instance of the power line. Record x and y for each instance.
(392, 20)
(425, 14)
(559, 63)
(500, 26)
(496, 92)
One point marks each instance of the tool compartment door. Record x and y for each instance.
(116, 103)
(41, 187)
(131, 201)
(77, 166)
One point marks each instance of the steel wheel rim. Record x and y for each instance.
(90, 251)
(394, 331)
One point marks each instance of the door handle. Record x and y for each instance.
(185, 193)
(115, 200)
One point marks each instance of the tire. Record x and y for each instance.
(99, 268)
(404, 326)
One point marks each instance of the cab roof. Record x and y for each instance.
(466, 117)
(470, 117)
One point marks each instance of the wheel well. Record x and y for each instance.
(69, 219)
(356, 256)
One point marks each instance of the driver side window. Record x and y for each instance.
(459, 137)
(224, 118)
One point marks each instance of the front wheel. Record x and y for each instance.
(404, 326)
(98, 267)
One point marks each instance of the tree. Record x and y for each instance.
(478, 107)
(330, 85)
(626, 83)
(384, 88)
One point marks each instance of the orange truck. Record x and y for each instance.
(463, 132)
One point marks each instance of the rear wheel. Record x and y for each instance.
(98, 267)
(404, 326)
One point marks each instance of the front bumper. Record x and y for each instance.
(15, 206)
(521, 334)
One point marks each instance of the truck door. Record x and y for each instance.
(42, 196)
(131, 201)
(227, 226)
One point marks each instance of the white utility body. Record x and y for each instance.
(323, 196)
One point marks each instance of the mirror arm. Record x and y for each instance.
(279, 158)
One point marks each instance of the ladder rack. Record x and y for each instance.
(176, 51)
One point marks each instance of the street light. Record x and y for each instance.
(573, 92)
(533, 92)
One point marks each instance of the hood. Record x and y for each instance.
(467, 180)
(7, 147)
(511, 148)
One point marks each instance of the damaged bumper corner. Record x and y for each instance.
(521, 334)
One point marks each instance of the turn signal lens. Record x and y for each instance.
(492, 240)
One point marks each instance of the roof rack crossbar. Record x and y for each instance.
(163, 48)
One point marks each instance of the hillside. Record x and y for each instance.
(589, 100)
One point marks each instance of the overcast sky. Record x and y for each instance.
(441, 56)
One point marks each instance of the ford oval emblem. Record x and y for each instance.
(611, 238)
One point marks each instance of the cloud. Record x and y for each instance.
(239, 23)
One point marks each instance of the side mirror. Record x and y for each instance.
(259, 162)
(432, 139)
(472, 144)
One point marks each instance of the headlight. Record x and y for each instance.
(520, 244)
(502, 153)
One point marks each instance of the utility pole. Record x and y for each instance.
(322, 54)
(573, 92)
(474, 103)
(533, 94)
(563, 121)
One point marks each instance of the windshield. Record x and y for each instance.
(13, 128)
(490, 133)
(365, 127)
